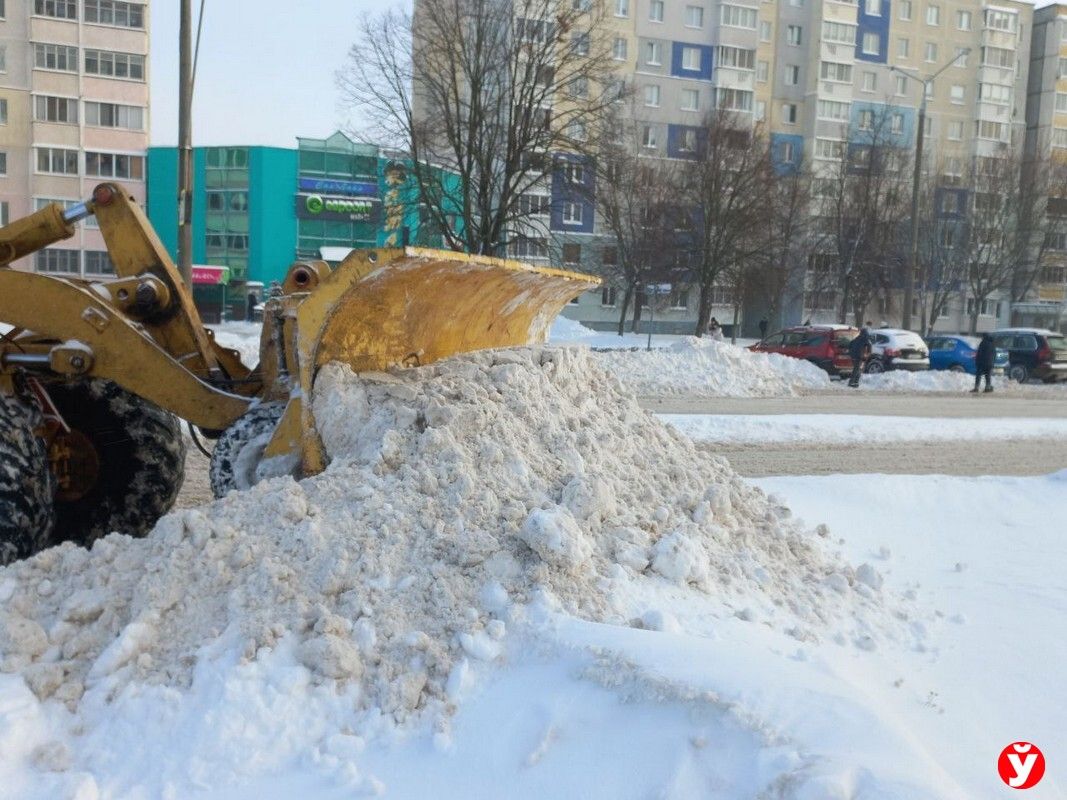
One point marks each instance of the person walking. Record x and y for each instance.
(983, 363)
(858, 350)
(762, 329)
(715, 329)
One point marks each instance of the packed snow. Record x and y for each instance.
(510, 507)
(739, 429)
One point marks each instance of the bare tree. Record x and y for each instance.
(1042, 220)
(487, 90)
(726, 183)
(942, 227)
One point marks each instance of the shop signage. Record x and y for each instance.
(329, 186)
(353, 209)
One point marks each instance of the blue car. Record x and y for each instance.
(956, 353)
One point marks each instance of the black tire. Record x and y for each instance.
(957, 368)
(1019, 372)
(27, 485)
(141, 455)
(239, 451)
(875, 367)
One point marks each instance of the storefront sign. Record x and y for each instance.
(330, 186)
(204, 275)
(353, 209)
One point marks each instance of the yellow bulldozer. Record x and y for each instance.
(95, 376)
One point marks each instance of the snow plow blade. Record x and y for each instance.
(410, 307)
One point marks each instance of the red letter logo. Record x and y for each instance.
(1021, 765)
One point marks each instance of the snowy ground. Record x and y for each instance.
(857, 429)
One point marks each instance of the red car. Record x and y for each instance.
(825, 346)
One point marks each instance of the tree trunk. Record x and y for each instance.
(974, 319)
(626, 298)
(703, 311)
(637, 312)
(737, 318)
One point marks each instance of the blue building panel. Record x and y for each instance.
(569, 188)
(877, 24)
(787, 152)
(892, 126)
(685, 141)
(706, 56)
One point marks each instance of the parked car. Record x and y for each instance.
(957, 354)
(892, 348)
(825, 346)
(1033, 353)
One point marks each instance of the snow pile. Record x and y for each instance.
(565, 329)
(707, 368)
(458, 493)
(240, 336)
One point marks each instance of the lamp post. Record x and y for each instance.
(913, 261)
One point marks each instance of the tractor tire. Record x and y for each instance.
(27, 485)
(140, 458)
(239, 451)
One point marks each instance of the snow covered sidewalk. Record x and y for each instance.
(858, 429)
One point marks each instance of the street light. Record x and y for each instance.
(909, 280)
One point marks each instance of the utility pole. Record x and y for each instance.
(185, 143)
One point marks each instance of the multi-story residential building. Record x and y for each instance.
(74, 112)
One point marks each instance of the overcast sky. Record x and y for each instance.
(266, 69)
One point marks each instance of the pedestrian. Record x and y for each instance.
(858, 350)
(762, 329)
(250, 306)
(983, 362)
(715, 329)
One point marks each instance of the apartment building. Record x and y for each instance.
(74, 112)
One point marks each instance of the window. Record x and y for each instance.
(3, 163)
(622, 8)
(532, 30)
(114, 165)
(736, 57)
(652, 96)
(832, 71)
(830, 109)
(573, 173)
(572, 213)
(607, 293)
(956, 94)
(690, 100)
(110, 115)
(765, 31)
(3, 111)
(792, 74)
(1000, 20)
(870, 82)
(691, 58)
(679, 298)
(794, 34)
(903, 48)
(955, 130)
(655, 10)
(5, 211)
(866, 120)
(961, 57)
(579, 87)
(786, 152)
(901, 84)
(832, 149)
(762, 69)
(529, 247)
(618, 50)
(55, 56)
(733, 99)
(694, 16)
(1002, 57)
(871, 44)
(873, 7)
(838, 33)
(896, 123)
(930, 53)
(580, 44)
(648, 136)
(904, 10)
(739, 17)
(687, 141)
(963, 20)
(114, 12)
(1061, 103)
(933, 15)
(66, 261)
(1056, 241)
(985, 129)
(761, 110)
(996, 93)
(55, 109)
(97, 262)
(653, 52)
(60, 9)
(789, 113)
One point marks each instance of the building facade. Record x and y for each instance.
(74, 112)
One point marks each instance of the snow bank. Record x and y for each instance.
(464, 500)
(707, 368)
(565, 329)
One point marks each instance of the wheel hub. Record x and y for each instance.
(75, 463)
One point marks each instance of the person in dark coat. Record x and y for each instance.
(762, 329)
(983, 363)
(858, 350)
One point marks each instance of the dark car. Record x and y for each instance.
(825, 346)
(957, 353)
(1033, 353)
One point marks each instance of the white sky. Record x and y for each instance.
(266, 69)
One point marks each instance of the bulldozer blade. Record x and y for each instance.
(411, 306)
